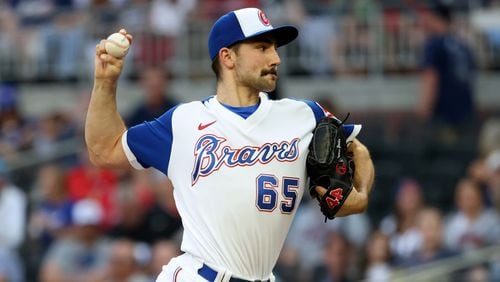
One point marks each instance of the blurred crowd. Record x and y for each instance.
(65, 220)
(412, 234)
(55, 40)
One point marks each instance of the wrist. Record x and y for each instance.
(106, 80)
(104, 83)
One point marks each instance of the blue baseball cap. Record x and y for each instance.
(243, 24)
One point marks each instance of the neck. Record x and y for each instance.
(237, 95)
(472, 214)
(407, 222)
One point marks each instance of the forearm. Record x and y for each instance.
(364, 173)
(357, 200)
(104, 125)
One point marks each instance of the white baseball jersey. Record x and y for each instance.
(237, 181)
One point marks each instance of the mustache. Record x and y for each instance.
(269, 71)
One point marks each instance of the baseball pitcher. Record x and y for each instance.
(239, 162)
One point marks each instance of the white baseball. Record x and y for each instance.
(117, 45)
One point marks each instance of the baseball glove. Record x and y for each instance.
(330, 165)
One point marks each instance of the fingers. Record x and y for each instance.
(129, 36)
(100, 49)
(103, 56)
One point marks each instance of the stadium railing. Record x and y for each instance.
(443, 270)
(370, 48)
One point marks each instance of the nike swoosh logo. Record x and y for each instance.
(203, 126)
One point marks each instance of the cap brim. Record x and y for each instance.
(283, 34)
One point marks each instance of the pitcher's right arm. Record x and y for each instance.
(103, 124)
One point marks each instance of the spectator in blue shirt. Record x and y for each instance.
(155, 84)
(448, 72)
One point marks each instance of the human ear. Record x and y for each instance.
(226, 57)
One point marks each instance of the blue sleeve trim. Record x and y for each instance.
(151, 142)
(319, 113)
(351, 130)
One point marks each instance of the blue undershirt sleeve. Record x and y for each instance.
(151, 142)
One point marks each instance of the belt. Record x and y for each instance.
(210, 274)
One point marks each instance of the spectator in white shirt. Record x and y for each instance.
(13, 218)
(400, 225)
(472, 225)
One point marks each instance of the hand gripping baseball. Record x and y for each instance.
(107, 66)
(330, 165)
